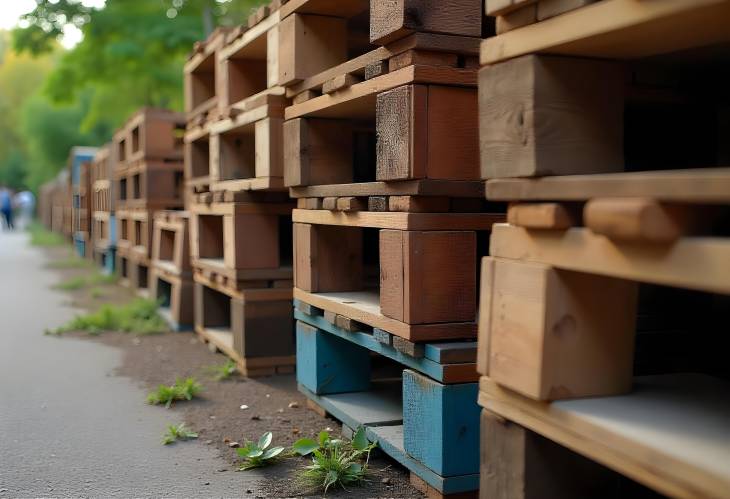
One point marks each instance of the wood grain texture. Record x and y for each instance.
(546, 115)
(400, 220)
(327, 258)
(516, 19)
(317, 151)
(637, 219)
(554, 216)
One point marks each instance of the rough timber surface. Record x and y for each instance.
(364, 307)
(700, 185)
(399, 220)
(617, 29)
(671, 433)
(701, 263)
(425, 187)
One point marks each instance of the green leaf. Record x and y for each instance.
(323, 438)
(305, 446)
(360, 440)
(265, 440)
(272, 453)
(254, 453)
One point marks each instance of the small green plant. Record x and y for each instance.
(99, 279)
(96, 293)
(258, 454)
(221, 372)
(335, 462)
(183, 389)
(71, 284)
(138, 316)
(72, 262)
(40, 236)
(177, 432)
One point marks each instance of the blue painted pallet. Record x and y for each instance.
(430, 364)
(108, 260)
(79, 245)
(440, 422)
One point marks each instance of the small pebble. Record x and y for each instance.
(295, 431)
(208, 442)
(268, 395)
(244, 407)
(234, 445)
(293, 405)
(280, 411)
(206, 483)
(212, 417)
(249, 491)
(222, 470)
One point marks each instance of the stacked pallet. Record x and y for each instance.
(381, 153)
(53, 197)
(148, 177)
(79, 162)
(612, 274)
(240, 213)
(103, 232)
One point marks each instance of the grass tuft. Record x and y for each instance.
(71, 284)
(79, 282)
(139, 316)
(40, 236)
(72, 262)
(177, 432)
(183, 389)
(221, 372)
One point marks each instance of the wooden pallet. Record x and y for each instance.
(150, 184)
(149, 134)
(197, 158)
(133, 270)
(435, 396)
(242, 241)
(103, 230)
(254, 327)
(317, 35)
(201, 75)
(679, 421)
(106, 259)
(171, 243)
(174, 291)
(426, 289)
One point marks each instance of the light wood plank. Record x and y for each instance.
(399, 220)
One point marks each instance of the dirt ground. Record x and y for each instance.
(273, 403)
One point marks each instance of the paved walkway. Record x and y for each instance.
(67, 426)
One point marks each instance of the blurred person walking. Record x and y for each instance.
(6, 207)
(25, 202)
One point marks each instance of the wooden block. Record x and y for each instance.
(558, 334)
(312, 203)
(485, 315)
(313, 406)
(308, 309)
(551, 8)
(383, 336)
(424, 57)
(330, 317)
(516, 19)
(304, 96)
(428, 276)
(441, 424)
(501, 7)
(637, 219)
(329, 203)
(541, 216)
(349, 325)
(378, 203)
(317, 151)
(547, 115)
(407, 116)
(419, 204)
(431, 493)
(517, 463)
(262, 328)
(328, 364)
(376, 69)
(415, 350)
(302, 203)
(327, 258)
(309, 44)
(396, 19)
(339, 82)
(351, 203)
(251, 241)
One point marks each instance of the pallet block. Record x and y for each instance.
(334, 371)
(170, 241)
(254, 327)
(246, 151)
(133, 270)
(134, 231)
(197, 158)
(201, 77)
(236, 239)
(174, 292)
(552, 334)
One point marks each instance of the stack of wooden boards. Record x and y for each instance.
(381, 153)
(240, 212)
(54, 197)
(79, 163)
(605, 128)
(148, 176)
(103, 229)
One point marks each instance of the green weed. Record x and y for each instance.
(335, 462)
(79, 282)
(40, 236)
(221, 372)
(96, 293)
(99, 279)
(177, 432)
(139, 316)
(71, 262)
(183, 389)
(258, 454)
(71, 284)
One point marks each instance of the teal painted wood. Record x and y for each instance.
(328, 364)
(390, 441)
(109, 261)
(424, 365)
(80, 245)
(383, 336)
(441, 424)
(379, 406)
(389, 437)
(457, 352)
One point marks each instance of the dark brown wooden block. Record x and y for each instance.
(327, 258)
(262, 328)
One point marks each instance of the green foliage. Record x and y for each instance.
(72, 284)
(177, 432)
(79, 282)
(96, 293)
(72, 262)
(183, 389)
(223, 371)
(40, 236)
(258, 454)
(139, 316)
(335, 462)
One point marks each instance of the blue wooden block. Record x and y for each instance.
(441, 424)
(109, 260)
(328, 364)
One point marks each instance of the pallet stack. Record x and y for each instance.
(103, 234)
(53, 197)
(79, 162)
(381, 153)
(605, 127)
(148, 177)
(240, 225)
